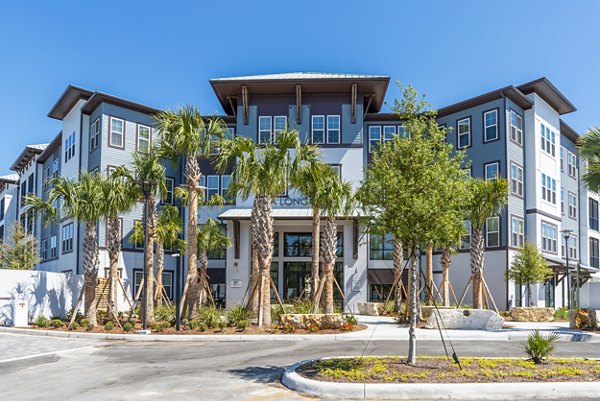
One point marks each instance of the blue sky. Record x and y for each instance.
(162, 54)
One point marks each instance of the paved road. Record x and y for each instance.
(74, 369)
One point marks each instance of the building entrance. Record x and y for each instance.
(296, 280)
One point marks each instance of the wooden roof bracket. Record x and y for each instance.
(298, 104)
(245, 103)
(353, 101)
(233, 109)
(371, 97)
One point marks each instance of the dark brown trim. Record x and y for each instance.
(509, 91)
(110, 118)
(483, 113)
(98, 98)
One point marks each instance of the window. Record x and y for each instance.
(229, 133)
(95, 134)
(337, 168)
(280, 125)
(297, 244)
(138, 276)
(44, 250)
(548, 139)
(572, 205)
(381, 247)
(30, 221)
(143, 139)
(572, 164)
(46, 178)
(549, 237)
(53, 246)
(70, 147)
(333, 129)
(212, 184)
(573, 247)
(374, 138)
(117, 133)
(318, 129)
(517, 231)
(492, 232)
(594, 253)
(562, 200)
(593, 212)
(516, 179)
(167, 282)
(403, 131)
(170, 185)
(563, 151)
(2, 209)
(388, 133)
(275, 250)
(466, 237)
(491, 171)
(548, 189)
(55, 166)
(225, 179)
(490, 125)
(30, 184)
(464, 133)
(516, 127)
(264, 129)
(67, 238)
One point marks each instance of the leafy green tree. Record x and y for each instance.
(210, 239)
(18, 251)
(488, 198)
(528, 267)
(415, 188)
(186, 134)
(79, 200)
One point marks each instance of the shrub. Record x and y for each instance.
(210, 316)
(56, 323)
(350, 319)
(41, 321)
(347, 326)
(165, 313)
(390, 308)
(89, 327)
(84, 322)
(302, 306)
(313, 328)
(74, 326)
(127, 326)
(237, 314)
(242, 325)
(221, 324)
(562, 313)
(539, 346)
(276, 313)
(109, 326)
(505, 313)
(288, 329)
(202, 326)
(185, 323)
(155, 326)
(70, 312)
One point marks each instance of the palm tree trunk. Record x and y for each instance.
(90, 266)
(477, 249)
(113, 228)
(160, 266)
(398, 256)
(429, 273)
(255, 268)
(263, 238)
(316, 236)
(413, 308)
(329, 250)
(192, 172)
(445, 285)
(203, 295)
(150, 262)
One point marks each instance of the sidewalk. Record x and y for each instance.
(378, 329)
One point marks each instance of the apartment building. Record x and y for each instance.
(514, 132)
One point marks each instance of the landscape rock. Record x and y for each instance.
(426, 310)
(371, 308)
(467, 319)
(304, 321)
(531, 314)
(594, 318)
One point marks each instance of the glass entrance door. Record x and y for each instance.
(296, 276)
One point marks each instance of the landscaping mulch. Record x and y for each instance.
(440, 370)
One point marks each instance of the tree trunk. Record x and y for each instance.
(413, 308)
(316, 236)
(150, 262)
(398, 256)
(329, 249)
(203, 278)
(160, 266)
(263, 238)
(445, 285)
(477, 249)
(528, 286)
(113, 232)
(90, 266)
(254, 278)
(192, 172)
(429, 274)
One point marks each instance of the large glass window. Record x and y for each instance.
(381, 247)
(117, 132)
(516, 127)
(548, 138)
(70, 147)
(318, 129)
(548, 189)
(464, 133)
(593, 212)
(549, 237)
(516, 179)
(264, 129)
(67, 238)
(517, 231)
(492, 232)
(297, 244)
(333, 129)
(594, 253)
(374, 138)
(490, 125)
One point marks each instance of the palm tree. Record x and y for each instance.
(79, 201)
(185, 133)
(262, 172)
(337, 201)
(210, 239)
(487, 200)
(589, 149)
(309, 180)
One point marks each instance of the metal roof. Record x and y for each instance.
(300, 76)
(26, 155)
(278, 213)
(10, 178)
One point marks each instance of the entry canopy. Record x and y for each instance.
(278, 213)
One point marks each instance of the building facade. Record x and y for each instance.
(515, 132)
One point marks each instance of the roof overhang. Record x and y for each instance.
(98, 98)
(509, 92)
(9, 179)
(228, 90)
(566, 130)
(551, 95)
(27, 156)
(67, 100)
(278, 214)
(55, 144)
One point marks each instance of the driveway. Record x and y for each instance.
(43, 368)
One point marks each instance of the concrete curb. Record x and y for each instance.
(440, 391)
